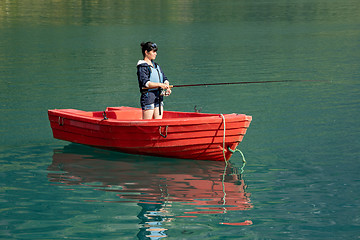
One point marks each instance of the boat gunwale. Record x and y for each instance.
(203, 118)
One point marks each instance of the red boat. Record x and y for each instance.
(186, 135)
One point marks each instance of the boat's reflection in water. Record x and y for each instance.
(155, 184)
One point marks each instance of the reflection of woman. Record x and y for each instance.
(151, 80)
(152, 216)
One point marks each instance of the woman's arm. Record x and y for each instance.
(157, 85)
(143, 76)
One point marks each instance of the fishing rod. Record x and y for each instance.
(253, 82)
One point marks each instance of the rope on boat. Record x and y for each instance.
(226, 163)
(166, 131)
(223, 118)
(233, 151)
(243, 158)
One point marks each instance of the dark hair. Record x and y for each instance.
(148, 46)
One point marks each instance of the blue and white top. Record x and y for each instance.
(147, 73)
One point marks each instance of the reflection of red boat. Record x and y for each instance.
(199, 185)
(177, 135)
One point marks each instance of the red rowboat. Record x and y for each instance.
(186, 135)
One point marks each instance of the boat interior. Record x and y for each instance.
(128, 113)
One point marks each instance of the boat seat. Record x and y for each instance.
(124, 115)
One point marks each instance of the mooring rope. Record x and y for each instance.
(233, 151)
(223, 118)
(242, 155)
(226, 162)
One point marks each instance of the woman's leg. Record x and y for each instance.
(148, 114)
(156, 113)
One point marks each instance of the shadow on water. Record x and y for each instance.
(154, 184)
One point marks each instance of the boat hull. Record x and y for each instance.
(178, 135)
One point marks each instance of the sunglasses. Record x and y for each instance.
(153, 45)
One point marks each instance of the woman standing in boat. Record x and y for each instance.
(153, 83)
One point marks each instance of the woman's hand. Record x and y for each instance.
(168, 92)
(164, 86)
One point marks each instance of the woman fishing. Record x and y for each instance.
(153, 83)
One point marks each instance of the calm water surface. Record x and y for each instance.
(301, 179)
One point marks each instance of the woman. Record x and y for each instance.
(153, 83)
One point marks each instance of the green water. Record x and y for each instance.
(302, 148)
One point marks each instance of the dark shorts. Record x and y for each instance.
(150, 100)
